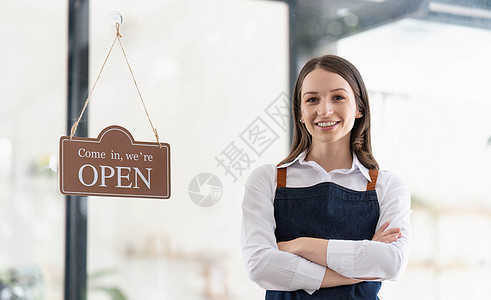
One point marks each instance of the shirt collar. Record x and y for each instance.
(301, 156)
(356, 165)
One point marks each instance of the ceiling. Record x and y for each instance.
(325, 21)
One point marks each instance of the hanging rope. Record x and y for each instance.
(117, 37)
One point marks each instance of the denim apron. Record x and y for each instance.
(328, 211)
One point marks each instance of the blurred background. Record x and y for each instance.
(216, 77)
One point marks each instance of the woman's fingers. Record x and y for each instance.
(383, 227)
(288, 246)
(392, 231)
(393, 237)
(389, 238)
(385, 235)
(282, 246)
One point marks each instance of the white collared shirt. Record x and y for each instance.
(273, 269)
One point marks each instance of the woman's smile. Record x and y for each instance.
(327, 125)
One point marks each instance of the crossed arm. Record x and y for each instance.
(315, 250)
(302, 263)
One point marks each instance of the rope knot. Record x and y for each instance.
(117, 31)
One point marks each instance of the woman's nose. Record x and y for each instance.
(325, 108)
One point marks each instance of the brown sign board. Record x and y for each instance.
(114, 164)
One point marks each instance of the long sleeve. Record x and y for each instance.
(265, 264)
(364, 259)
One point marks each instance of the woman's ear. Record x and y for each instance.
(359, 115)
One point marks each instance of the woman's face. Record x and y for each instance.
(328, 107)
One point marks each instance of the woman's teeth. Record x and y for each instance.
(326, 124)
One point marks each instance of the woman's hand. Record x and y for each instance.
(387, 236)
(290, 246)
(332, 279)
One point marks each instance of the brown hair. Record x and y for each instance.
(360, 142)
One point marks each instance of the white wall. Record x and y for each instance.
(428, 84)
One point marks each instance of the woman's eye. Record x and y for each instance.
(338, 98)
(311, 100)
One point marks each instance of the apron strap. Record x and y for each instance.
(373, 175)
(281, 177)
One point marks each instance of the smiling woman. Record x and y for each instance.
(328, 109)
(326, 223)
(336, 73)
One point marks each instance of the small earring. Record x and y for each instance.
(360, 115)
(301, 121)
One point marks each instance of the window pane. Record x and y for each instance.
(32, 118)
(212, 74)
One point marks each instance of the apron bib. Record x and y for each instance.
(327, 211)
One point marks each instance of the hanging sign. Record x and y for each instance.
(114, 164)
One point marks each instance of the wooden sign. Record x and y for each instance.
(114, 164)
